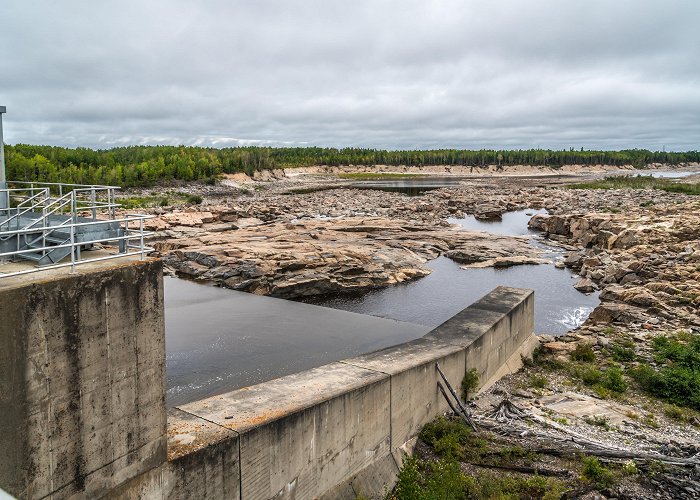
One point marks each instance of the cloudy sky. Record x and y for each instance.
(377, 73)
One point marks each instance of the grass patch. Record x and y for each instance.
(583, 352)
(678, 378)
(538, 381)
(596, 473)
(470, 383)
(639, 182)
(613, 380)
(168, 199)
(598, 421)
(622, 352)
(452, 438)
(444, 480)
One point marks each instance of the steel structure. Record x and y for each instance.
(53, 225)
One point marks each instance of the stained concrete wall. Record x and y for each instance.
(339, 430)
(82, 361)
(82, 409)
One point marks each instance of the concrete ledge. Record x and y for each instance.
(341, 430)
(337, 431)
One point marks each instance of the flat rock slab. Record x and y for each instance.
(321, 256)
(580, 406)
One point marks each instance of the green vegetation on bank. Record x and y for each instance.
(640, 182)
(463, 464)
(149, 165)
(167, 199)
(677, 379)
(670, 372)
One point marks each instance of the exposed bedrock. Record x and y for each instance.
(314, 257)
(646, 263)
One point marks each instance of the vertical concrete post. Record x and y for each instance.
(82, 376)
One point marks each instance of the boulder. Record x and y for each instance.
(609, 312)
(585, 285)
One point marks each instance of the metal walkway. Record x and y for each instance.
(56, 225)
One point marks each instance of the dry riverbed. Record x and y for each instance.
(640, 249)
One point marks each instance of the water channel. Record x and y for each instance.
(218, 340)
(449, 288)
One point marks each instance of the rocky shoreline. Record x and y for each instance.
(640, 249)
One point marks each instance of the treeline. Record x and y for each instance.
(149, 165)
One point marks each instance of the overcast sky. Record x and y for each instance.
(390, 74)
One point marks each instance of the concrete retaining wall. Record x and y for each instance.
(82, 407)
(339, 430)
(82, 361)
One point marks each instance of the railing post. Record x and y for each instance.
(143, 252)
(126, 235)
(72, 249)
(92, 200)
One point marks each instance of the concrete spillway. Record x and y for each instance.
(83, 413)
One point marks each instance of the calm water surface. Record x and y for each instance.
(449, 288)
(217, 340)
(672, 175)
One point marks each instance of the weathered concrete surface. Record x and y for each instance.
(414, 398)
(342, 429)
(82, 364)
(299, 434)
(83, 413)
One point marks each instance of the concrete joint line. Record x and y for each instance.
(391, 410)
(211, 422)
(365, 368)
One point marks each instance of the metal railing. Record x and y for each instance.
(47, 221)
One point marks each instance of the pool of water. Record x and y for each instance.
(672, 175)
(217, 340)
(511, 223)
(435, 298)
(412, 186)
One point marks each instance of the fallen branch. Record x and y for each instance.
(572, 442)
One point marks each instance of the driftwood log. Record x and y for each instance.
(507, 418)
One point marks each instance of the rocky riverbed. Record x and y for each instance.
(639, 249)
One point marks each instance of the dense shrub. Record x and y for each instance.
(678, 378)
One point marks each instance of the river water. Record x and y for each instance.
(449, 288)
(672, 175)
(217, 340)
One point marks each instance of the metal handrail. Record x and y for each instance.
(18, 214)
(32, 235)
(66, 184)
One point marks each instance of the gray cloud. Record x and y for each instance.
(392, 74)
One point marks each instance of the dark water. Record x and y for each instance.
(218, 340)
(449, 289)
(412, 186)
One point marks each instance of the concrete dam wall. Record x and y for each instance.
(335, 431)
